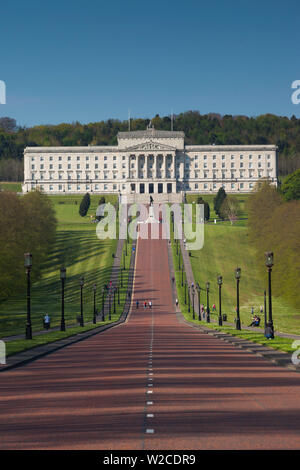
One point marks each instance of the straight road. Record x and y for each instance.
(151, 383)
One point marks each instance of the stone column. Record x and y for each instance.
(174, 166)
(164, 166)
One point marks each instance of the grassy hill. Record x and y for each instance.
(226, 247)
(82, 253)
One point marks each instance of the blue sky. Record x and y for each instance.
(68, 61)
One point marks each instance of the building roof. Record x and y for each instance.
(150, 133)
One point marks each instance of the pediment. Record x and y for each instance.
(150, 145)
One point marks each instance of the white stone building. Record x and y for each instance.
(149, 162)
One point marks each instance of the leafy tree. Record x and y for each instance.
(291, 186)
(206, 207)
(27, 225)
(84, 205)
(218, 200)
(230, 209)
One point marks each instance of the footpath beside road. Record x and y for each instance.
(25, 357)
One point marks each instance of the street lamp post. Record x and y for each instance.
(182, 275)
(114, 291)
(189, 298)
(28, 265)
(118, 290)
(207, 301)
(269, 264)
(185, 284)
(265, 308)
(62, 278)
(220, 282)
(81, 283)
(103, 317)
(109, 305)
(121, 276)
(193, 296)
(199, 306)
(94, 317)
(238, 277)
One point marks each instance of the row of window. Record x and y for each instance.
(232, 157)
(69, 158)
(78, 167)
(196, 157)
(78, 187)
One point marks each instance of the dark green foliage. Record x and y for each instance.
(218, 201)
(199, 129)
(206, 207)
(291, 186)
(274, 225)
(84, 205)
(28, 224)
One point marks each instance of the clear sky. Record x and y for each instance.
(65, 61)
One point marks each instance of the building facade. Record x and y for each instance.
(148, 162)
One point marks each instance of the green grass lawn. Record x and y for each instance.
(78, 249)
(225, 248)
(16, 187)
(283, 344)
(241, 198)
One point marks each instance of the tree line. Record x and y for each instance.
(199, 129)
(28, 224)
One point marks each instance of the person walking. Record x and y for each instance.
(47, 321)
(176, 302)
(137, 304)
(145, 304)
(150, 304)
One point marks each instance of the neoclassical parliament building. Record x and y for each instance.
(149, 162)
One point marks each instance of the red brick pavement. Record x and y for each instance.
(201, 393)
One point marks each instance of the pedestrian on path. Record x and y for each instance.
(176, 301)
(150, 304)
(145, 304)
(137, 304)
(47, 321)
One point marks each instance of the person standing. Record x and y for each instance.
(150, 304)
(145, 304)
(137, 304)
(47, 321)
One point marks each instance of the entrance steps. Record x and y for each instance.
(157, 198)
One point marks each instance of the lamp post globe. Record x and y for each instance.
(269, 263)
(238, 277)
